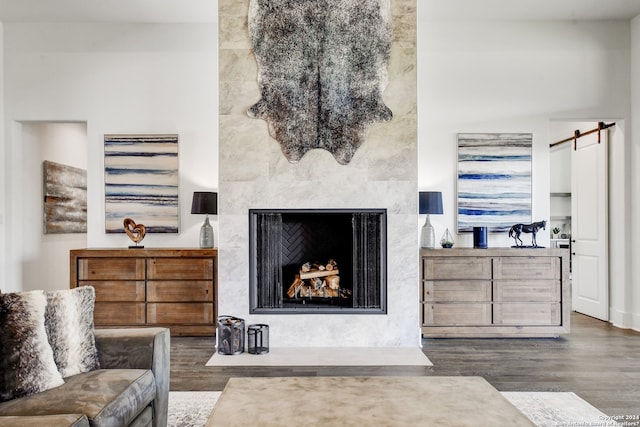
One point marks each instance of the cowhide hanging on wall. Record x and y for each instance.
(322, 68)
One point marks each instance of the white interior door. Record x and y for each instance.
(589, 226)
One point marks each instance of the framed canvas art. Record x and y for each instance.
(141, 182)
(65, 198)
(494, 180)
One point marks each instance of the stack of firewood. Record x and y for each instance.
(317, 280)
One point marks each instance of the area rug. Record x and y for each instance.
(326, 356)
(192, 408)
(554, 409)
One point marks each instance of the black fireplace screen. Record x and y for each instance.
(318, 261)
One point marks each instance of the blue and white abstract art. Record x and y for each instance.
(141, 182)
(494, 180)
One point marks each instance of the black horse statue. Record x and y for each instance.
(517, 229)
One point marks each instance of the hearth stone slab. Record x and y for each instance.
(326, 356)
(364, 401)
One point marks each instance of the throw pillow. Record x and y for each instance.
(26, 358)
(69, 322)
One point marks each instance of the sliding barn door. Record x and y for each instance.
(589, 211)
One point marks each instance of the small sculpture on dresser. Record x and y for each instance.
(447, 240)
(136, 232)
(517, 229)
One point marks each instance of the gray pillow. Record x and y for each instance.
(69, 323)
(26, 359)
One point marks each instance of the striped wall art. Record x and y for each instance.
(494, 180)
(141, 182)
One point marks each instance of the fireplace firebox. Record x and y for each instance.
(317, 261)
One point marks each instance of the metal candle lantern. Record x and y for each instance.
(230, 335)
(258, 339)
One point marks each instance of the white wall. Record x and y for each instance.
(3, 181)
(45, 257)
(634, 156)
(118, 78)
(512, 77)
(560, 172)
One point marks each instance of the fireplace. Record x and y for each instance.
(317, 261)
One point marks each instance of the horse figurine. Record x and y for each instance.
(517, 229)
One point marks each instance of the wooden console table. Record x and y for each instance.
(495, 292)
(175, 288)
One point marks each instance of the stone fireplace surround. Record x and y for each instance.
(383, 175)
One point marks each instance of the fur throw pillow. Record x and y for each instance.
(69, 323)
(26, 359)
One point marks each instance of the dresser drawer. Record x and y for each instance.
(180, 291)
(526, 314)
(452, 268)
(526, 291)
(457, 290)
(527, 268)
(125, 313)
(180, 313)
(180, 268)
(118, 290)
(457, 314)
(111, 269)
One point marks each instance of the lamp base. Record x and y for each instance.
(206, 234)
(428, 239)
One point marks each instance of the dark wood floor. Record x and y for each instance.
(597, 361)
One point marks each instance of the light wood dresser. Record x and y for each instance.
(175, 288)
(495, 292)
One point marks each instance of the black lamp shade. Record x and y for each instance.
(204, 202)
(430, 202)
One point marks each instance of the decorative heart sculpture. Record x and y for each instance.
(135, 231)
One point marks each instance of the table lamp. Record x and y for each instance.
(430, 202)
(205, 202)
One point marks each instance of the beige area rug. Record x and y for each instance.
(192, 408)
(326, 356)
(552, 409)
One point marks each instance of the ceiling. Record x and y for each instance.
(578, 10)
(190, 11)
(150, 11)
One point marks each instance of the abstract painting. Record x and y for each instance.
(494, 180)
(141, 182)
(322, 68)
(65, 198)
